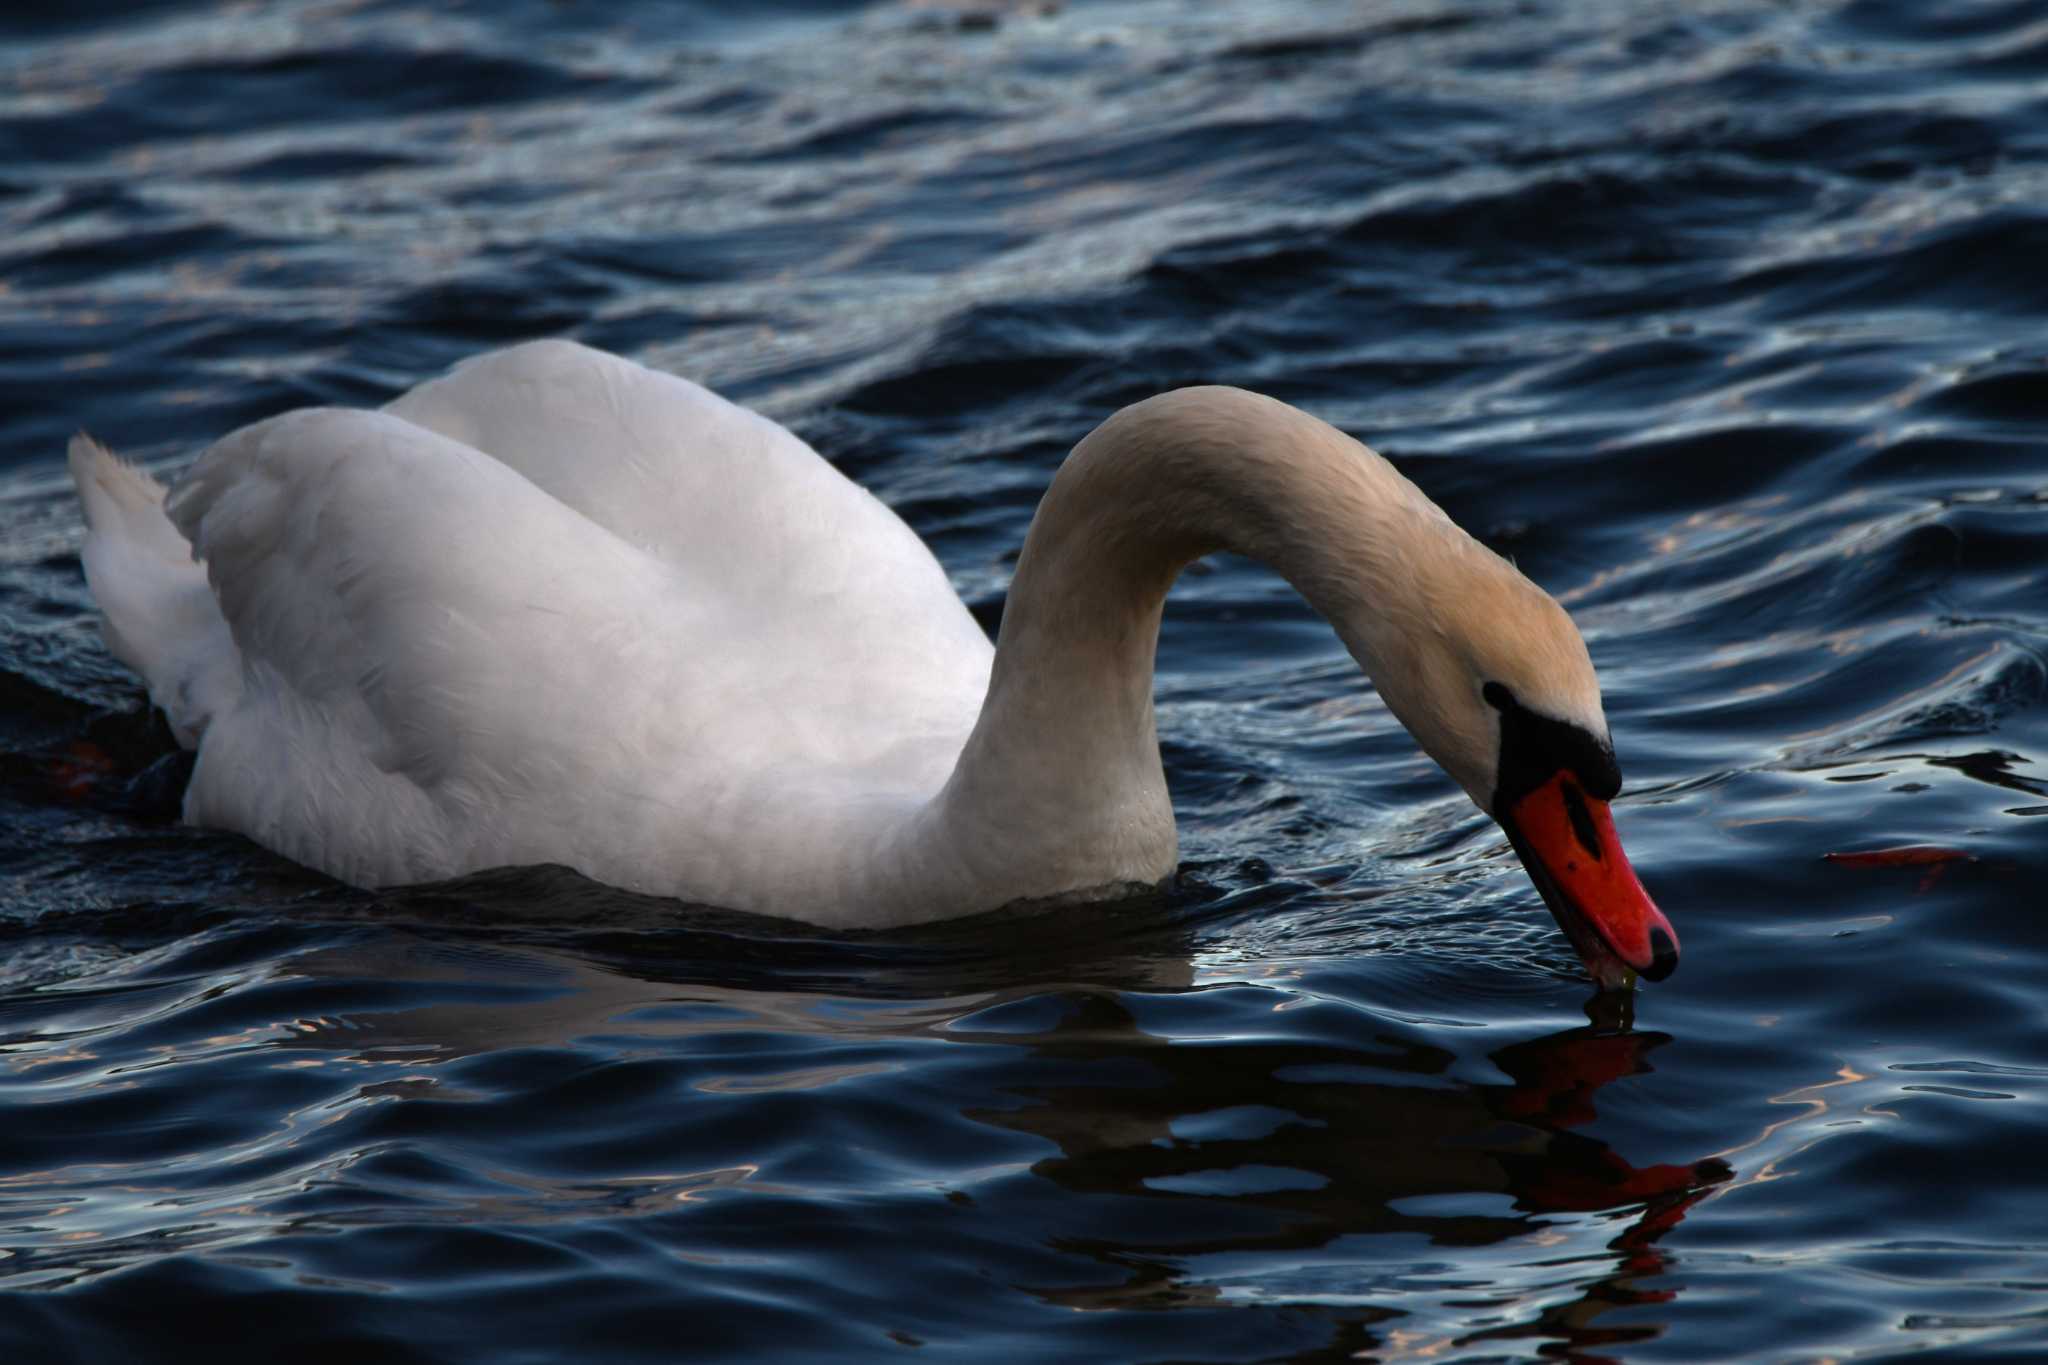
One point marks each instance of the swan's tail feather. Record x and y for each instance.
(159, 615)
(121, 499)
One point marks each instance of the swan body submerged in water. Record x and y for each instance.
(558, 607)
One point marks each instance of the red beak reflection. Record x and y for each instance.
(1566, 840)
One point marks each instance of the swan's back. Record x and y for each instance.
(551, 572)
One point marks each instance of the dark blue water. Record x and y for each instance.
(1726, 320)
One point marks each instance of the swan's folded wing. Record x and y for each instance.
(701, 483)
(665, 463)
(453, 621)
(830, 584)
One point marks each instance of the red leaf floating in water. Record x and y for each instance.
(1911, 855)
(1930, 856)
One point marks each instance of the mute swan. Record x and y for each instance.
(557, 607)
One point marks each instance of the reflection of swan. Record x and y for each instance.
(1317, 1155)
(556, 607)
(1297, 1148)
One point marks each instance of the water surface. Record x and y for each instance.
(1724, 320)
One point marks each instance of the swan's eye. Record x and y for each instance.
(1498, 697)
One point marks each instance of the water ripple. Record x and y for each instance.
(1722, 322)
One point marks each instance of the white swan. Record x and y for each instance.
(557, 607)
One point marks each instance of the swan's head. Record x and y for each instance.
(1495, 682)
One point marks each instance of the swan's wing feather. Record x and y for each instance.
(411, 590)
(830, 583)
(608, 638)
(663, 462)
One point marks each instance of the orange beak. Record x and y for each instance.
(1567, 842)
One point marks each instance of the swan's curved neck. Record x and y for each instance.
(1065, 746)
